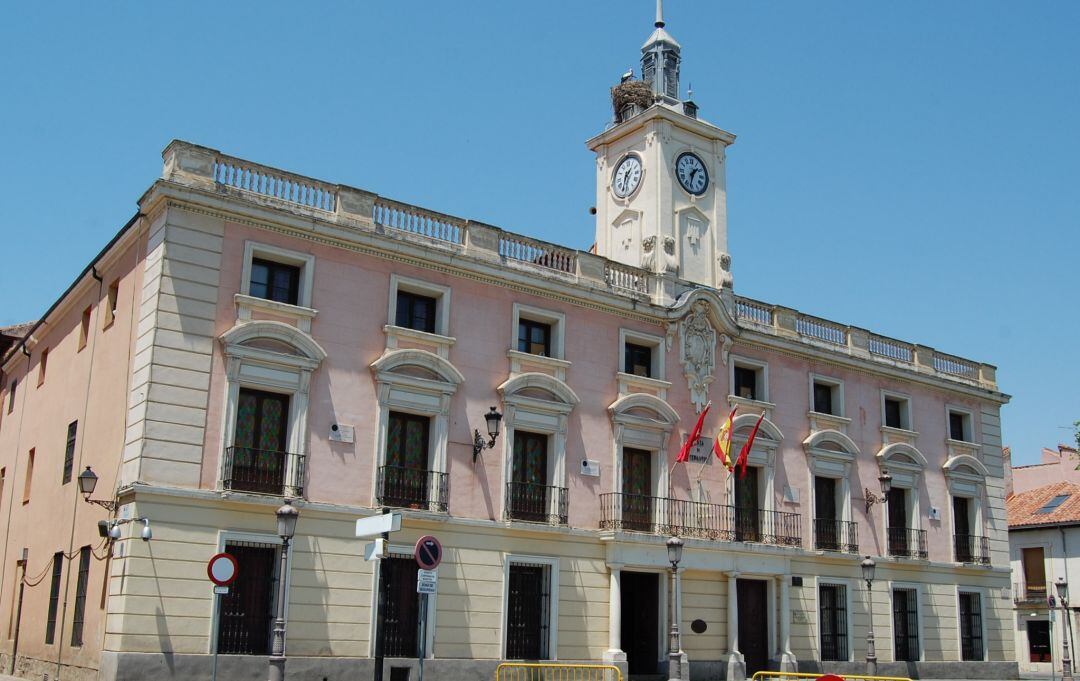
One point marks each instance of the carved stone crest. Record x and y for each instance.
(698, 352)
(648, 254)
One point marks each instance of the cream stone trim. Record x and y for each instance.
(849, 597)
(640, 432)
(525, 362)
(306, 263)
(631, 383)
(557, 320)
(552, 564)
(839, 401)
(763, 455)
(831, 463)
(906, 475)
(918, 587)
(966, 477)
(396, 334)
(758, 366)
(984, 601)
(658, 355)
(907, 422)
(440, 293)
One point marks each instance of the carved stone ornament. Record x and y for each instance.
(725, 271)
(671, 265)
(698, 352)
(648, 254)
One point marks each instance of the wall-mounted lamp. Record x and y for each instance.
(886, 484)
(493, 419)
(87, 483)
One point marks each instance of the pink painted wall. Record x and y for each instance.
(351, 294)
(88, 385)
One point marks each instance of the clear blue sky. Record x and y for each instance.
(911, 168)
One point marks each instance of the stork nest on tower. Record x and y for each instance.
(632, 92)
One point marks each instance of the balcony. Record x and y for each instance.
(1030, 594)
(836, 535)
(907, 542)
(663, 516)
(401, 487)
(535, 503)
(971, 549)
(263, 471)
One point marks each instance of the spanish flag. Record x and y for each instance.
(722, 446)
(695, 434)
(745, 453)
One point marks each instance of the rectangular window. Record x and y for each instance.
(823, 398)
(43, 362)
(638, 360)
(745, 383)
(110, 305)
(84, 327)
(534, 337)
(81, 584)
(1034, 574)
(960, 426)
(397, 576)
(528, 610)
(415, 311)
(246, 613)
(11, 394)
(833, 616)
(971, 642)
(906, 625)
(69, 451)
(54, 597)
(29, 476)
(274, 281)
(897, 413)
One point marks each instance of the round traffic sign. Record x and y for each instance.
(428, 552)
(222, 569)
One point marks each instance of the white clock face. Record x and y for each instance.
(692, 174)
(627, 176)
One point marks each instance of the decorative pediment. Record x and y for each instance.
(965, 465)
(539, 386)
(273, 342)
(644, 406)
(832, 442)
(415, 363)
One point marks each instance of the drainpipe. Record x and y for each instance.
(1065, 611)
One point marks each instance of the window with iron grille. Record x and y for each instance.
(69, 451)
(528, 611)
(415, 311)
(397, 577)
(906, 625)
(54, 596)
(832, 608)
(80, 597)
(275, 281)
(246, 613)
(971, 641)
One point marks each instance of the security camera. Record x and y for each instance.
(147, 534)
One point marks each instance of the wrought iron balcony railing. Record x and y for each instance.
(660, 515)
(263, 471)
(836, 535)
(535, 503)
(403, 487)
(971, 548)
(907, 542)
(1030, 594)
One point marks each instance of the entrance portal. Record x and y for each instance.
(641, 621)
(753, 624)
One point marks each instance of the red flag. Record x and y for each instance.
(684, 453)
(745, 453)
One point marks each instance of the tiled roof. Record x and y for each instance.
(1023, 508)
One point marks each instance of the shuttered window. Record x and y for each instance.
(69, 451)
(54, 597)
(81, 585)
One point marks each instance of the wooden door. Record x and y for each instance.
(401, 624)
(246, 612)
(753, 624)
(640, 621)
(259, 442)
(747, 515)
(1034, 574)
(637, 500)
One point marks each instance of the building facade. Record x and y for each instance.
(1044, 546)
(253, 335)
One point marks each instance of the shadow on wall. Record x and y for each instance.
(164, 638)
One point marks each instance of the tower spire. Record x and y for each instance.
(660, 60)
(659, 13)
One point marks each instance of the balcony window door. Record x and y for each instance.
(899, 543)
(405, 475)
(259, 458)
(826, 530)
(962, 539)
(1034, 574)
(747, 515)
(529, 492)
(637, 499)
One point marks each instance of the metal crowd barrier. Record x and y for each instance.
(525, 671)
(794, 676)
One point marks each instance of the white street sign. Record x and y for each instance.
(221, 590)
(375, 525)
(425, 587)
(375, 550)
(426, 581)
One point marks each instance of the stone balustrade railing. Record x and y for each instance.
(207, 168)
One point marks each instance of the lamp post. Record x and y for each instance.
(674, 555)
(286, 526)
(868, 566)
(493, 418)
(1063, 600)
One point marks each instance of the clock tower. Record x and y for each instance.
(661, 199)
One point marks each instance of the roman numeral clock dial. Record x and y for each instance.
(627, 176)
(692, 174)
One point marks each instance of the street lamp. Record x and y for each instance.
(868, 567)
(885, 481)
(286, 526)
(674, 555)
(88, 480)
(1063, 600)
(492, 418)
